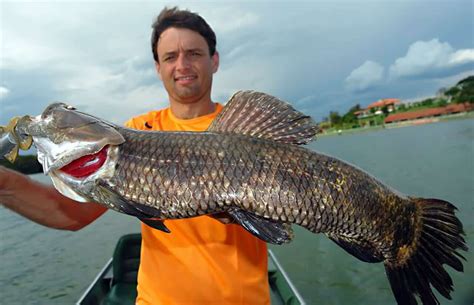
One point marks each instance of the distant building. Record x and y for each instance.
(376, 107)
(390, 103)
(368, 115)
(428, 113)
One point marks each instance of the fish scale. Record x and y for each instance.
(249, 166)
(180, 158)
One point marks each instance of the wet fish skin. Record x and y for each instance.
(247, 165)
(187, 174)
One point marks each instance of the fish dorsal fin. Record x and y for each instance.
(261, 115)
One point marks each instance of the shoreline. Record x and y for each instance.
(423, 121)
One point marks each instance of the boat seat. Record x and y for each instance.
(126, 259)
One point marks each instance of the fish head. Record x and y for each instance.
(63, 134)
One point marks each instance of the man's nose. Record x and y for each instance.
(183, 61)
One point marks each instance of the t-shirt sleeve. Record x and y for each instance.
(136, 122)
(130, 124)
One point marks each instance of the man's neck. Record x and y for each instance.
(186, 111)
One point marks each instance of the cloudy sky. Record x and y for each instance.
(317, 55)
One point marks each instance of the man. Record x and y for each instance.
(202, 261)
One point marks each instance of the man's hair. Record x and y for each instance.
(176, 18)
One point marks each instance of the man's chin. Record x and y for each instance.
(188, 94)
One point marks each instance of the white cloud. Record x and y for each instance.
(368, 75)
(4, 92)
(22, 53)
(427, 57)
(446, 82)
(462, 57)
(112, 93)
(90, 78)
(99, 57)
(117, 105)
(219, 18)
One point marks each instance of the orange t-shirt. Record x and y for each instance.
(202, 261)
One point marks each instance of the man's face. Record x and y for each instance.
(185, 65)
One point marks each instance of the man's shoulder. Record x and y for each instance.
(142, 120)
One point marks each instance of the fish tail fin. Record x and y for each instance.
(438, 235)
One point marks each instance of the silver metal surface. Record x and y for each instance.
(287, 278)
(6, 145)
(100, 275)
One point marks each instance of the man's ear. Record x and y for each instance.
(157, 67)
(215, 62)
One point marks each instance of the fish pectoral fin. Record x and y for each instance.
(223, 217)
(360, 249)
(155, 224)
(116, 202)
(265, 229)
(141, 211)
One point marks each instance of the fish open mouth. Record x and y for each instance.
(86, 165)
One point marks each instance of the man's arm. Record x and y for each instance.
(44, 204)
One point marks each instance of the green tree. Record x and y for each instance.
(335, 118)
(469, 79)
(452, 91)
(441, 102)
(441, 91)
(466, 94)
(463, 91)
(350, 117)
(427, 102)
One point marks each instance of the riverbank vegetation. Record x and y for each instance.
(374, 115)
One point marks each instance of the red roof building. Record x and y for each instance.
(384, 102)
(430, 112)
(376, 107)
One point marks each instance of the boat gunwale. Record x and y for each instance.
(98, 277)
(286, 277)
(102, 275)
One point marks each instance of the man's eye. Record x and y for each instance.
(195, 54)
(168, 58)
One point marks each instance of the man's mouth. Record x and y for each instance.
(185, 79)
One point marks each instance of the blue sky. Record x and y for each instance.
(317, 55)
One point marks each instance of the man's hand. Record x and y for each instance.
(8, 183)
(43, 204)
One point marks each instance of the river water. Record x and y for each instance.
(44, 266)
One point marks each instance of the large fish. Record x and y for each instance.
(249, 165)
